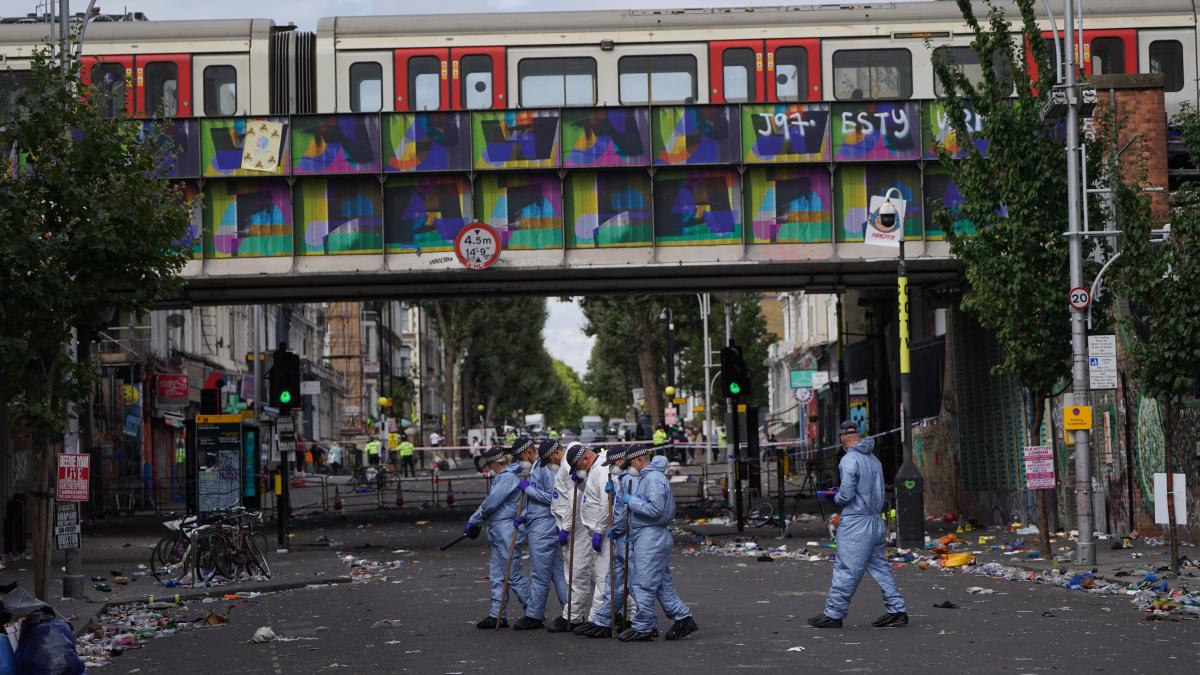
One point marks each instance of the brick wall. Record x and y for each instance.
(1136, 102)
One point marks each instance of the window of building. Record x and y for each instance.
(1108, 56)
(860, 74)
(669, 78)
(475, 81)
(424, 83)
(738, 75)
(109, 81)
(1166, 59)
(366, 87)
(161, 92)
(964, 60)
(791, 73)
(220, 90)
(557, 82)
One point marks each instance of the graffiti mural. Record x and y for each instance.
(939, 133)
(338, 215)
(608, 209)
(876, 131)
(785, 132)
(942, 192)
(515, 139)
(697, 207)
(606, 137)
(853, 187)
(336, 144)
(789, 205)
(425, 213)
(427, 142)
(222, 146)
(695, 135)
(525, 209)
(247, 219)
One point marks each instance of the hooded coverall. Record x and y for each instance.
(581, 580)
(602, 615)
(652, 507)
(545, 555)
(594, 515)
(498, 510)
(861, 534)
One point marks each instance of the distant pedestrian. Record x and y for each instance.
(373, 448)
(335, 458)
(861, 535)
(407, 468)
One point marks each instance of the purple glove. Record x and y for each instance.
(563, 537)
(575, 477)
(522, 485)
(597, 541)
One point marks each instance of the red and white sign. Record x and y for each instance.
(172, 389)
(74, 470)
(477, 246)
(1079, 298)
(1039, 467)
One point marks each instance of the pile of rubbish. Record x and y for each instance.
(36, 638)
(812, 552)
(363, 570)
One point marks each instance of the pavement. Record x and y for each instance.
(412, 608)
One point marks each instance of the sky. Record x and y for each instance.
(564, 336)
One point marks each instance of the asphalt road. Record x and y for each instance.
(751, 616)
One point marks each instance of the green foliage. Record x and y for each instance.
(569, 411)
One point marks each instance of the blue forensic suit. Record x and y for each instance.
(545, 555)
(652, 507)
(498, 510)
(861, 534)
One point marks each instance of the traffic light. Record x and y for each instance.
(735, 376)
(285, 380)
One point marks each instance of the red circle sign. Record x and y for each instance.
(1079, 298)
(477, 246)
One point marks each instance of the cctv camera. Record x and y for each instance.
(887, 216)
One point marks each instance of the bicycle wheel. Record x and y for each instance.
(224, 555)
(167, 555)
(257, 557)
(204, 552)
(760, 514)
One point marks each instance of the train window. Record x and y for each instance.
(657, 79)
(964, 60)
(791, 73)
(424, 83)
(220, 90)
(11, 84)
(557, 82)
(738, 75)
(161, 93)
(476, 81)
(1166, 58)
(872, 74)
(109, 80)
(366, 86)
(1108, 56)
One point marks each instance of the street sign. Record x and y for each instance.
(820, 379)
(286, 425)
(679, 400)
(801, 379)
(698, 408)
(803, 396)
(310, 388)
(1039, 467)
(1079, 298)
(73, 473)
(1077, 417)
(877, 234)
(477, 246)
(66, 526)
(1102, 362)
(858, 388)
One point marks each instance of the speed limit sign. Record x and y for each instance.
(1080, 298)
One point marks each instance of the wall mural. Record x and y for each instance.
(789, 205)
(193, 240)
(606, 137)
(939, 133)
(425, 213)
(221, 146)
(524, 208)
(608, 209)
(941, 191)
(697, 207)
(180, 144)
(785, 132)
(876, 131)
(338, 215)
(853, 187)
(247, 219)
(515, 139)
(336, 144)
(695, 135)
(438, 141)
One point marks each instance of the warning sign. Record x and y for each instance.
(73, 473)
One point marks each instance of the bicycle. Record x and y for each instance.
(237, 545)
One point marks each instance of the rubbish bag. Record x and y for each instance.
(8, 660)
(957, 559)
(47, 646)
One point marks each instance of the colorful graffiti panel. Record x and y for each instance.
(608, 209)
(606, 137)
(876, 131)
(193, 240)
(221, 146)
(940, 133)
(247, 219)
(853, 187)
(433, 141)
(338, 215)
(789, 205)
(515, 139)
(525, 209)
(785, 132)
(697, 207)
(336, 144)
(425, 213)
(695, 135)
(941, 191)
(179, 140)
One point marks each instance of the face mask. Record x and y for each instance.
(525, 466)
(614, 471)
(582, 473)
(634, 471)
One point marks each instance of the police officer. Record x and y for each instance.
(618, 483)
(499, 510)
(597, 522)
(407, 468)
(373, 448)
(569, 514)
(545, 555)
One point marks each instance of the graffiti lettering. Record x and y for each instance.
(861, 122)
(774, 124)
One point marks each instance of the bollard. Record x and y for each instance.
(337, 499)
(399, 492)
(449, 493)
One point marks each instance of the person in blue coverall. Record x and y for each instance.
(652, 506)
(860, 536)
(541, 530)
(499, 510)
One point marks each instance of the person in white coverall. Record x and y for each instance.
(573, 472)
(596, 524)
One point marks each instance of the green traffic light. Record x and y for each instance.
(735, 388)
(285, 397)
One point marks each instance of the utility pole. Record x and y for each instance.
(1085, 547)
(705, 305)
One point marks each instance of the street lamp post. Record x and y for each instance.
(705, 305)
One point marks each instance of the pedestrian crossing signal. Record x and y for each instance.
(735, 376)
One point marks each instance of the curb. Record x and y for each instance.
(93, 620)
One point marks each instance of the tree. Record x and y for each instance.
(1158, 280)
(87, 226)
(749, 331)
(630, 324)
(1016, 261)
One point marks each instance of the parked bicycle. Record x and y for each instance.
(198, 552)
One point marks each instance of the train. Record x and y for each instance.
(241, 67)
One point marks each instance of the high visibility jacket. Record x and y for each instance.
(553, 433)
(510, 438)
(660, 437)
(406, 449)
(373, 448)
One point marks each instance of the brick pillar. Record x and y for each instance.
(1137, 107)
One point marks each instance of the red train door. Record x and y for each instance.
(793, 70)
(735, 71)
(1105, 52)
(477, 78)
(164, 85)
(422, 79)
(112, 75)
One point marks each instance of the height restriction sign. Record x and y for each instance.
(73, 473)
(477, 246)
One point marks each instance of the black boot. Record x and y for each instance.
(584, 629)
(895, 620)
(682, 628)
(824, 621)
(557, 625)
(598, 631)
(490, 623)
(526, 623)
(632, 635)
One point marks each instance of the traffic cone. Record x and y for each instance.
(449, 493)
(399, 492)
(337, 499)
